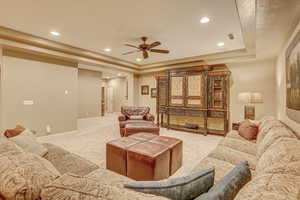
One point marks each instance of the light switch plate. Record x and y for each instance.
(28, 102)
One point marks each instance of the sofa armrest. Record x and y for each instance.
(150, 117)
(66, 162)
(122, 118)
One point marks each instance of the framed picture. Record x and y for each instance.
(145, 89)
(293, 79)
(153, 93)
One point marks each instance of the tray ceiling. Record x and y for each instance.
(99, 24)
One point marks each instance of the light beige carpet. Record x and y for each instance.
(89, 141)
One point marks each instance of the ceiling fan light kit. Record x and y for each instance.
(146, 48)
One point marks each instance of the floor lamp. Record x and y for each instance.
(250, 99)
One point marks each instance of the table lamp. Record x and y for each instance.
(250, 99)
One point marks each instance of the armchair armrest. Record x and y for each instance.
(150, 117)
(122, 118)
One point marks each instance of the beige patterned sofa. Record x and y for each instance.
(274, 159)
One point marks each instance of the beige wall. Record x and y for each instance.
(254, 76)
(89, 93)
(146, 100)
(119, 93)
(281, 87)
(46, 85)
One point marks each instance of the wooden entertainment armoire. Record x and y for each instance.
(194, 99)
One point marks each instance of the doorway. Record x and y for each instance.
(110, 98)
(102, 101)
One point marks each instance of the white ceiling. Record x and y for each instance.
(99, 24)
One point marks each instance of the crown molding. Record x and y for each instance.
(23, 42)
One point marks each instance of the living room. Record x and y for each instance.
(161, 100)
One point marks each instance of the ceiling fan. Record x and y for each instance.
(146, 48)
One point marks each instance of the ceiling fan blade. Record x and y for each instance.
(159, 51)
(154, 44)
(130, 52)
(145, 54)
(130, 45)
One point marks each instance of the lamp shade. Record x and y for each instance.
(250, 97)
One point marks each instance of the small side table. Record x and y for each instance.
(235, 126)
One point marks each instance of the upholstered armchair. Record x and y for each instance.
(132, 114)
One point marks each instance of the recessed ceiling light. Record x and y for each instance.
(107, 49)
(204, 20)
(55, 33)
(139, 59)
(220, 44)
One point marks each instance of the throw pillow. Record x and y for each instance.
(181, 188)
(14, 132)
(24, 175)
(248, 130)
(136, 117)
(27, 141)
(228, 187)
(70, 186)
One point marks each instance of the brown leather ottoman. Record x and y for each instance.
(134, 128)
(143, 136)
(116, 154)
(148, 161)
(175, 146)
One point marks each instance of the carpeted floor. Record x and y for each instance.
(89, 141)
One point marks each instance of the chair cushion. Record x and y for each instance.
(230, 185)
(124, 123)
(133, 110)
(282, 157)
(271, 137)
(233, 156)
(248, 130)
(23, 175)
(136, 117)
(221, 167)
(180, 188)
(27, 141)
(240, 145)
(271, 187)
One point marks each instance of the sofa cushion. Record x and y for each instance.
(248, 130)
(221, 167)
(271, 137)
(233, 156)
(7, 146)
(271, 187)
(23, 175)
(70, 186)
(240, 145)
(266, 127)
(229, 185)
(28, 142)
(180, 188)
(282, 157)
(66, 162)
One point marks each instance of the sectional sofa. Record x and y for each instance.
(274, 159)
